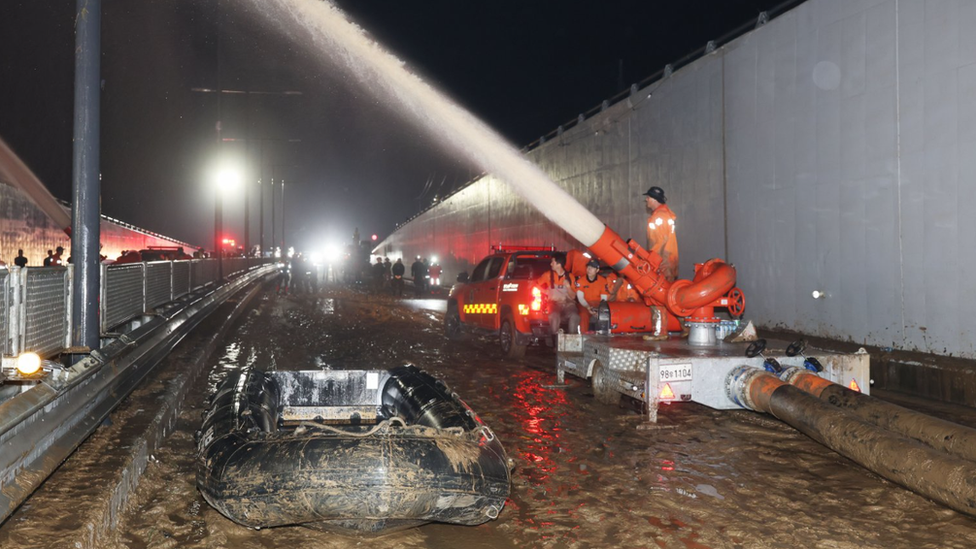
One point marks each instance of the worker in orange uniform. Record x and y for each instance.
(621, 290)
(661, 237)
(562, 298)
(591, 289)
(576, 263)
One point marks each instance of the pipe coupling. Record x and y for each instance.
(790, 374)
(737, 384)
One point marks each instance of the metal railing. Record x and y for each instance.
(6, 297)
(122, 295)
(45, 310)
(159, 283)
(35, 302)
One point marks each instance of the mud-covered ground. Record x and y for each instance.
(585, 476)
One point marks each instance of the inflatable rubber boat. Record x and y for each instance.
(367, 451)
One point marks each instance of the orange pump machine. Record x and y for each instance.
(666, 302)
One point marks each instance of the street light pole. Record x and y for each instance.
(85, 222)
(283, 215)
(247, 185)
(218, 228)
(227, 179)
(247, 131)
(274, 236)
(261, 192)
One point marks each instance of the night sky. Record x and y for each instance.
(523, 66)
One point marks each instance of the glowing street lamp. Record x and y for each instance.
(228, 180)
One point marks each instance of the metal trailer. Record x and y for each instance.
(673, 370)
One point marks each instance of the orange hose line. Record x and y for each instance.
(761, 389)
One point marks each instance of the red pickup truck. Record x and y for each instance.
(501, 296)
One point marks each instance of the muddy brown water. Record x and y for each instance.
(585, 476)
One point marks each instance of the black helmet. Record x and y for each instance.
(657, 193)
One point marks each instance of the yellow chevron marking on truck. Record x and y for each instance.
(481, 308)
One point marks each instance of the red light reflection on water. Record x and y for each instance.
(538, 413)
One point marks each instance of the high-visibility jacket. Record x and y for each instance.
(576, 263)
(661, 238)
(558, 286)
(626, 291)
(593, 291)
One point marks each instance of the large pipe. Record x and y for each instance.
(955, 439)
(86, 219)
(640, 268)
(690, 295)
(943, 478)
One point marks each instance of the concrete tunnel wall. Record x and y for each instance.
(23, 225)
(832, 149)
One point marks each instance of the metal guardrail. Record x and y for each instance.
(35, 302)
(202, 272)
(6, 296)
(181, 279)
(122, 294)
(159, 284)
(45, 309)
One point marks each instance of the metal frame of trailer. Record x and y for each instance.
(631, 366)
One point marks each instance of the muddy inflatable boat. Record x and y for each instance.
(361, 450)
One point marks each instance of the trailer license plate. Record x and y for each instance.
(676, 372)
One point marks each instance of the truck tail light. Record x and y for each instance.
(536, 299)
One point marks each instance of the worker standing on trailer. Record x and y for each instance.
(661, 237)
(591, 289)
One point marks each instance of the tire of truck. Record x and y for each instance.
(452, 323)
(602, 389)
(507, 339)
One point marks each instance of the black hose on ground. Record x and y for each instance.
(946, 479)
(934, 474)
(952, 438)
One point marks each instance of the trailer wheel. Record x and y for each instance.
(452, 323)
(507, 340)
(602, 388)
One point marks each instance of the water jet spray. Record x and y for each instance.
(385, 77)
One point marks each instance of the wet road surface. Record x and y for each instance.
(585, 476)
